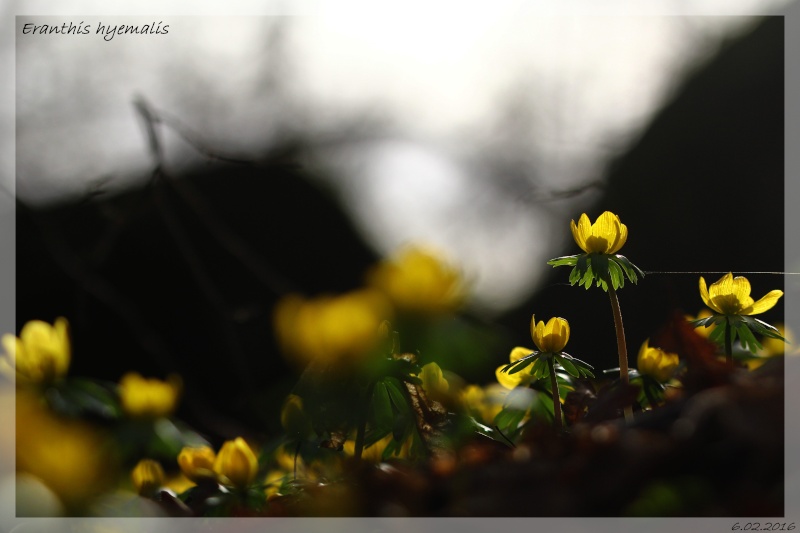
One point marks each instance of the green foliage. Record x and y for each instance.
(599, 269)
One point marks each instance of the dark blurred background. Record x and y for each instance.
(178, 271)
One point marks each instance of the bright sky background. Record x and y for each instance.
(553, 96)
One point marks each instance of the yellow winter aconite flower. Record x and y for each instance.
(419, 280)
(293, 419)
(731, 296)
(72, 458)
(197, 462)
(433, 380)
(148, 398)
(374, 452)
(41, 353)
(516, 379)
(656, 363)
(236, 464)
(483, 403)
(330, 328)
(606, 236)
(704, 313)
(551, 337)
(147, 477)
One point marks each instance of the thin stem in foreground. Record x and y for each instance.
(556, 395)
(621, 346)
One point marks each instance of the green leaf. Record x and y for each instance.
(631, 270)
(747, 338)
(718, 334)
(568, 366)
(567, 260)
(705, 322)
(397, 396)
(762, 328)
(539, 368)
(382, 406)
(617, 277)
(574, 276)
(521, 364)
(588, 278)
(508, 419)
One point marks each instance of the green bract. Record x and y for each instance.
(599, 269)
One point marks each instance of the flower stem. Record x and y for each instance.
(362, 423)
(621, 346)
(556, 395)
(728, 344)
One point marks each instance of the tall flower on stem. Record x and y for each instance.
(550, 339)
(600, 264)
(729, 298)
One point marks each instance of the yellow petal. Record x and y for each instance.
(507, 380)
(706, 297)
(622, 238)
(518, 353)
(764, 304)
(722, 287)
(582, 232)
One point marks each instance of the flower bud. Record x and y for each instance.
(236, 464)
(148, 398)
(656, 363)
(147, 476)
(197, 463)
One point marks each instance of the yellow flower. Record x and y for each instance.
(483, 403)
(147, 476)
(374, 452)
(42, 352)
(148, 398)
(178, 483)
(605, 236)
(332, 328)
(702, 331)
(552, 337)
(511, 381)
(656, 363)
(731, 296)
(72, 458)
(236, 464)
(433, 380)
(197, 463)
(419, 280)
(293, 419)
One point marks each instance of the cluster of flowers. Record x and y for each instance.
(371, 406)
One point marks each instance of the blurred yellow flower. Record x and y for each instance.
(330, 328)
(550, 338)
(702, 331)
(605, 236)
(293, 419)
(433, 380)
(517, 379)
(731, 296)
(148, 398)
(197, 462)
(656, 363)
(374, 452)
(483, 403)
(273, 481)
(236, 464)
(75, 460)
(178, 483)
(147, 476)
(41, 353)
(419, 280)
